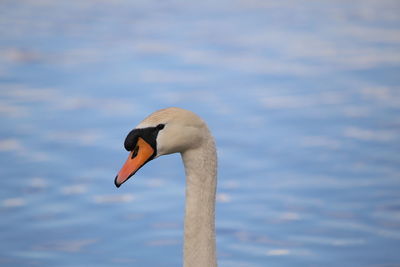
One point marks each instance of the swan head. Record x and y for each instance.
(167, 131)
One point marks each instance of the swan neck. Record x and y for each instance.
(199, 230)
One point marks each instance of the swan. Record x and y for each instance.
(176, 130)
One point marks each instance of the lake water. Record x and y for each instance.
(303, 98)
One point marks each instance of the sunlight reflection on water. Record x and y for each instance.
(302, 98)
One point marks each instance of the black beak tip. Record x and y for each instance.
(116, 183)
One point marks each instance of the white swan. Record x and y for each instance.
(175, 130)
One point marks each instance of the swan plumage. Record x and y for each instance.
(176, 130)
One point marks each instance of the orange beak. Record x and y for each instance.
(137, 158)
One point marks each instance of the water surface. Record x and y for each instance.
(302, 97)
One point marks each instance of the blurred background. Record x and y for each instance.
(302, 97)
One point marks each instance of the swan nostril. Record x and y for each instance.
(135, 152)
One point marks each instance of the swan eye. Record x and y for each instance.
(135, 152)
(160, 126)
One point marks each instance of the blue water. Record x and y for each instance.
(303, 98)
